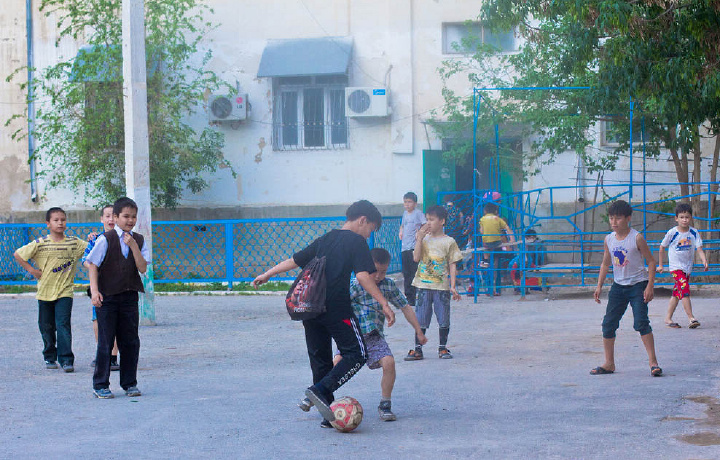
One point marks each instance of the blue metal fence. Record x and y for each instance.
(207, 251)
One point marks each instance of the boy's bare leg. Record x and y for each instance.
(671, 309)
(95, 329)
(388, 378)
(687, 305)
(609, 347)
(649, 341)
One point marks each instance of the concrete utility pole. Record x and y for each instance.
(137, 150)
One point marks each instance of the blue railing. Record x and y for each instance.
(207, 251)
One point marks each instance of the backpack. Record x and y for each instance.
(306, 297)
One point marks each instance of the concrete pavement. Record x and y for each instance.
(220, 377)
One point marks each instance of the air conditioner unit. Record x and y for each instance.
(366, 102)
(227, 108)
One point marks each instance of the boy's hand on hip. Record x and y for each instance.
(648, 294)
(596, 294)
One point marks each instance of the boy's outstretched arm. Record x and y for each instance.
(604, 268)
(284, 266)
(650, 260)
(369, 285)
(412, 319)
(703, 259)
(30, 269)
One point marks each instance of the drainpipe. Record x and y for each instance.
(31, 102)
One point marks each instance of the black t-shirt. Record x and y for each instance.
(345, 252)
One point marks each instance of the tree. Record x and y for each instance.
(662, 55)
(78, 126)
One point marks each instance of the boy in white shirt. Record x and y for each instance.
(682, 241)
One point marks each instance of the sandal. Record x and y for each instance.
(675, 325)
(600, 371)
(414, 355)
(693, 324)
(655, 371)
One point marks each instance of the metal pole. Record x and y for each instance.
(137, 150)
(632, 107)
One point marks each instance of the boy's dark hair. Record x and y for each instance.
(380, 256)
(364, 208)
(490, 208)
(122, 203)
(620, 208)
(52, 211)
(531, 232)
(438, 211)
(410, 196)
(683, 207)
(102, 210)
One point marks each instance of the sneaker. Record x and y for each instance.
(114, 366)
(385, 413)
(414, 355)
(67, 367)
(103, 393)
(133, 392)
(321, 403)
(326, 424)
(305, 404)
(50, 364)
(444, 353)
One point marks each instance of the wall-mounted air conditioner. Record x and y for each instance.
(366, 102)
(227, 108)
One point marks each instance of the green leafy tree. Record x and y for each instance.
(79, 122)
(662, 55)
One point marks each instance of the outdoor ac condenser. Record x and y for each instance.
(227, 108)
(366, 102)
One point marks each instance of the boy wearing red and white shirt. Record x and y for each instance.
(682, 242)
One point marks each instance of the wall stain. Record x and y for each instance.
(712, 412)
(258, 156)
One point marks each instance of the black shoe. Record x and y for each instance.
(321, 403)
(51, 364)
(67, 367)
(325, 424)
(114, 366)
(385, 411)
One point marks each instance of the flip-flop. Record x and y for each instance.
(600, 371)
(655, 371)
(674, 325)
(693, 324)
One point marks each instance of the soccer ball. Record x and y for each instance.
(348, 414)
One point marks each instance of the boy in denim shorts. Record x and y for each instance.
(625, 248)
(437, 254)
(372, 321)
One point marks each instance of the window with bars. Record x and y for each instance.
(310, 113)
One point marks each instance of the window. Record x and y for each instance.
(613, 132)
(462, 37)
(310, 113)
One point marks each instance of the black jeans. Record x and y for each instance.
(409, 268)
(54, 323)
(319, 335)
(118, 317)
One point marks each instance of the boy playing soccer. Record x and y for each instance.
(625, 248)
(412, 220)
(108, 222)
(372, 321)
(437, 255)
(56, 257)
(113, 266)
(345, 251)
(682, 242)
